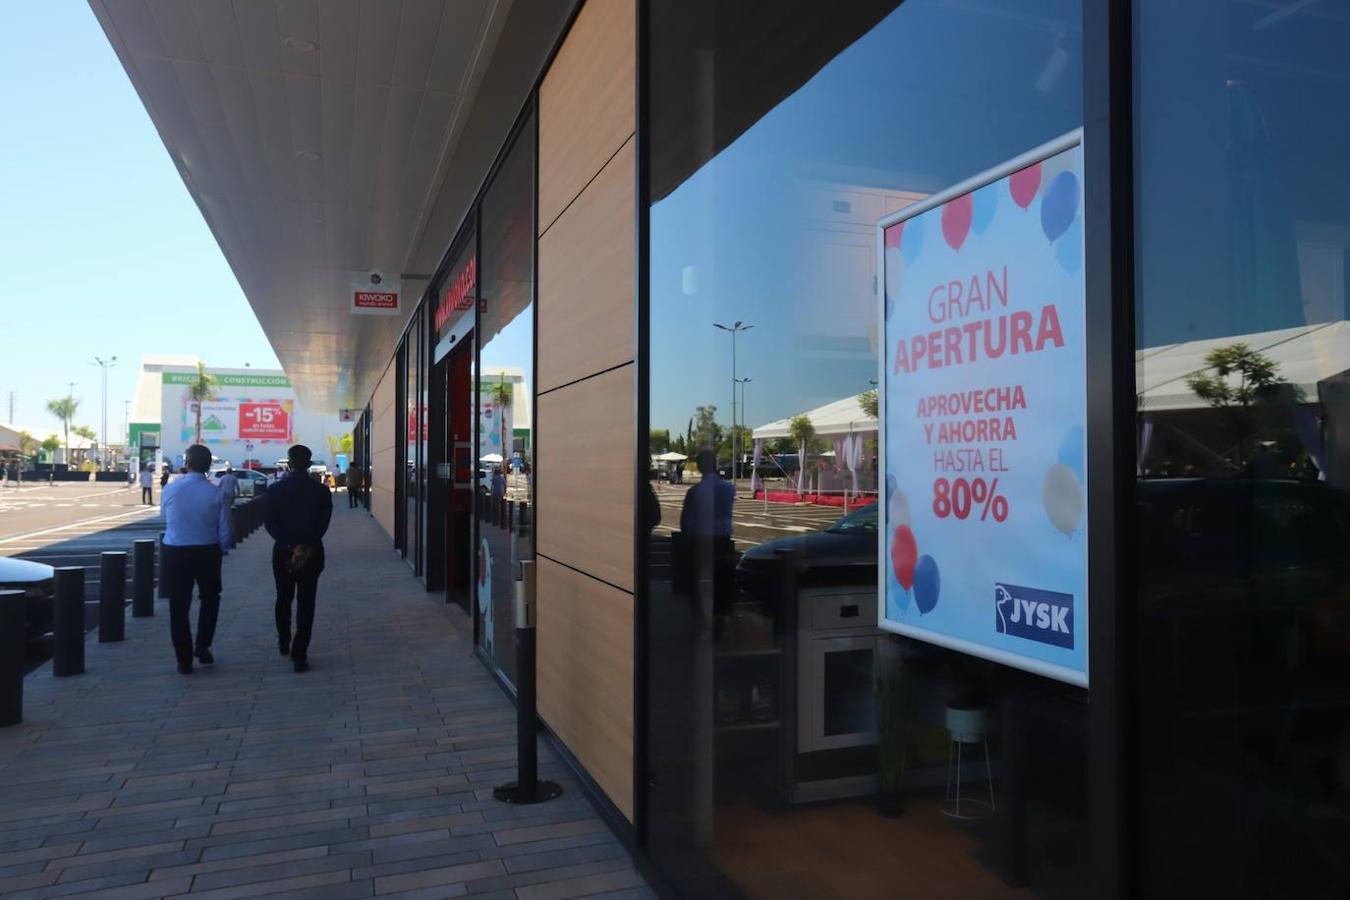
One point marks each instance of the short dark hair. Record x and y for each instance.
(707, 461)
(198, 458)
(299, 456)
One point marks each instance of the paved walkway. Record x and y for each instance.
(371, 774)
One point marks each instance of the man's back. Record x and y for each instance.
(193, 513)
(298, 511)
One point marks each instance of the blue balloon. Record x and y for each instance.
(1071, 452)
(897, 599)
(911, 239)
(927, 584)
(1059, 205)
(1069, 252)
(986, 202)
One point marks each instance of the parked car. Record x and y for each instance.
(36, 581)
(251, 464)
(251, 483)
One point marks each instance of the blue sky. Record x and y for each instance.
(106, 253)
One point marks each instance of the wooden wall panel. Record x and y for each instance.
(384, 472)
(585, 476)
(586, 102)
(586, 279)
(585, 658)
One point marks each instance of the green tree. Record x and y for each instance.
(869, 401)
(340, 444)
(50, 444)
(28, 445)
(1236, 379)
(201, 389)
(803, 433)
(744, 439)
(659, 440)
(706, 433)
(64, 409)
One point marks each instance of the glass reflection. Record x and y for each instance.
(1243, 512)
(796, 749)
(505, 378)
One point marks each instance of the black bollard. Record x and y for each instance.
(503, 513)
(523, 518)
(143, 571)
(68, 622)
(112, 595)
(510, 515)
(162, 591)
(13, 637)
(527, 788)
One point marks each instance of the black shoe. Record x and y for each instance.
(284, 645)
(301, 665)
(185, 668)
(205, 658)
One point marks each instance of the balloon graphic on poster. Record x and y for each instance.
(904, 552)
(1071, 451)
(911, 239)
(956, 215)
(897, 508)
(927, 584)
(1024, 183)
(897, 598)
(986, 202)
(1069, 253)
(1063, 498)
(1059, 205)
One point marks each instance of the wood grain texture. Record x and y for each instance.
(586, 279)
(585, 654)
(384, 472)
(586, 102)
(585, 476)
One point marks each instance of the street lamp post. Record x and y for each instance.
(105, 365)
(733, 328)
(744, 418)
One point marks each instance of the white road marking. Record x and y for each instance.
(138, 511)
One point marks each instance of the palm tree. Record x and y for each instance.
(64, 409)
(201, 389)
(502, 393)
(802, 431)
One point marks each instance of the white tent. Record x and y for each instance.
(837, 418)
(1304, 356)
(669, 456)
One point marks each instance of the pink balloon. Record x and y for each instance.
(893, 235)
(1024, 183)
(956, 216)
(904, 554)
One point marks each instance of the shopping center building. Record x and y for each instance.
(1018, 330)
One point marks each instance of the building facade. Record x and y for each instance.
(1010, 339)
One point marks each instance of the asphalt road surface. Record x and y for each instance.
(753, 522)
(71, 524)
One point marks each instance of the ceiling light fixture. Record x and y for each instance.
(307, 154)
(300, 45)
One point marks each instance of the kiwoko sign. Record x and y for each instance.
(374, 294)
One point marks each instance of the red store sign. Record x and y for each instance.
(458, 294)
(268, 421)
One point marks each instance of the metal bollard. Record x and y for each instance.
(523, 518)
(68, 622)
(510, 522)
(527, 788)
(112, 595)
(13, 637)
(503, 513)
(143, 571)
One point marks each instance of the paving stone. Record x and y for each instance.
(371, 774)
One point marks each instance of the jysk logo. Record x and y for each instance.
(1036, 615)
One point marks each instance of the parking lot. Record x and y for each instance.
(753, 521)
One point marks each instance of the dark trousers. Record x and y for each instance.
(147, 496)
(184, 567)
(300, 587)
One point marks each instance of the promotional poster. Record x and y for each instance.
(983, 404)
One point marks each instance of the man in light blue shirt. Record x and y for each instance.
(196, 534)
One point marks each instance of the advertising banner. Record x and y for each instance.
(983, 404)
(494, 422)
(374, 294)
(226, 420)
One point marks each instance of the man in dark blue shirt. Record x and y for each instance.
(298, 512)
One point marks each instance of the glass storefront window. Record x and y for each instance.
(505, 391)
(796, 749)
(1242, 124)
(414, 424)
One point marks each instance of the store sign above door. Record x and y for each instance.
(374, 294)
(983, 412)
(458, 295)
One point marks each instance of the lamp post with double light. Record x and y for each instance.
(734, 329)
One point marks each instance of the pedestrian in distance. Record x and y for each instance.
(12, 473)
(148, 485)
(164, 475)
(296, 515)
(353, 487)
(229, 486)
(196, 536)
